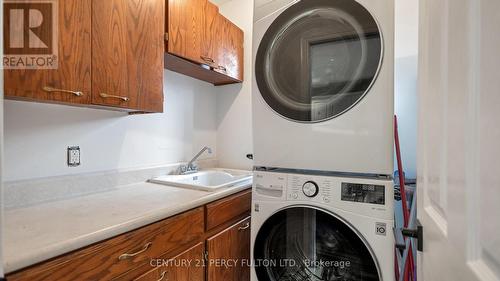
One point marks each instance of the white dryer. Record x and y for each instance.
(314, 227)
(323, 85)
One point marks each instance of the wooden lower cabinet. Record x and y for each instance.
(117, 256)
(187, 266)
(179, 248)
(229, 253)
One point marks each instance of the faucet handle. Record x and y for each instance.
(193, 167)
(183, 169)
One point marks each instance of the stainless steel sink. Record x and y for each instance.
(207, 180)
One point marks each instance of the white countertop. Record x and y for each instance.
(36, 233)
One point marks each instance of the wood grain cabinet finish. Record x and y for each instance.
(74, 62)
(232, 244)
(127, 60)
(228, 209)
(211, 46)
(211, 29)
(187, 266)
(230, 49)
(185, 28)
(175, 240)
(110, 55)
(114, 257)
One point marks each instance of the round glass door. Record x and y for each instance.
(318, 59)
(308, 244)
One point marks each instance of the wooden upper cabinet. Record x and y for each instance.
(201, 36)
(230, 49)
(127, 59)
(71, 81)
(110, 54)
(211, 29)
(185, 29)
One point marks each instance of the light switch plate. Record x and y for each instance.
(73, 156)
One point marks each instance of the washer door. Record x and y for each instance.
(301, 243)
(318, 59)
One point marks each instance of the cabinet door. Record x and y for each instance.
(188, 266)
(73, 75)
(127, 54)
(230, 49)
(231, 246)
(211, 29)
(234, 56)
(186, 28)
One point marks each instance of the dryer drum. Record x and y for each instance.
(308, 244)
(318, 59)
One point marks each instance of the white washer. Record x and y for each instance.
(323, 85)
(309, 227)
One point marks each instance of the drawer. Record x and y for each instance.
(116, 256)
(228, 209)
(188, 265)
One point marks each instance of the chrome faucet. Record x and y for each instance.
(191, 166)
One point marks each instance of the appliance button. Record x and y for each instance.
(310, 189)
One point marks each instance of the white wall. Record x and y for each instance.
(196, 114)
(1, 148)
(406, 62)
(37, 135)
(234, 102)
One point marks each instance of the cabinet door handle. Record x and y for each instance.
(127, 256)
(222, 68)
(207, 59)
(104, 95)
(54, 90)
(163, 275)
(244, 227)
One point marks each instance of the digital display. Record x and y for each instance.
(363, 193)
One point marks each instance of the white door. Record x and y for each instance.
(459, 139)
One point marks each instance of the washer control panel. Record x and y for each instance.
(369, 197)
(301, 187)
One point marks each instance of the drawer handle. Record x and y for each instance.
(54, 90)
(220, 67)
(163, 275)
(127, 256)
(207, 59)
(245, 227)
(104, 95)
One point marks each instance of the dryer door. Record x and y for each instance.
(318, 59)
(301, 243)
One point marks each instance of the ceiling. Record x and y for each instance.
(219, 2)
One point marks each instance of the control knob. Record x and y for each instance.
(310, 189)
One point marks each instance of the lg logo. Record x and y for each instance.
(30, 34)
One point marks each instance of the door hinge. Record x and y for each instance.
(416, 233)
(166, 36)
(205, 256)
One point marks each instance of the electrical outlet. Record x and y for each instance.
(73, 156)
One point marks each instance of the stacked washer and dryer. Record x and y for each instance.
(323, 105)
